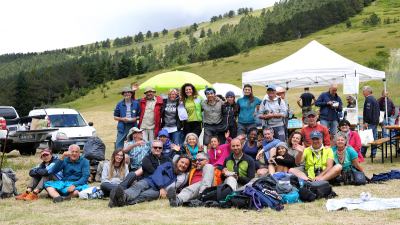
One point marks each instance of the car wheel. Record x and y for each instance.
(28, 149)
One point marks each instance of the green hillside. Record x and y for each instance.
(366, 45)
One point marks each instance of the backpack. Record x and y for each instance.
(7, 183)
(292, 197)
(263, 199)
(238, 200)
(94, 149)
(216, 193)
(267, 182)
(321, 189)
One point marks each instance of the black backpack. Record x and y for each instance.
(216, 193)
(321, 189)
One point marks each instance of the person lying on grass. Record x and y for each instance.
(319, 164)
(39, 175)
(75, 169)
(167, 175)
(201, 176)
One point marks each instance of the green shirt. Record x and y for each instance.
(193, 109)
(313, 161)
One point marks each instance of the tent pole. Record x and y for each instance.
(386, 109)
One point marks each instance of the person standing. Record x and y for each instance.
(306, 101)
(150, 114)
(273, 111)
(127, 113)
(370, 117)
(212, 117)
(170, 118)
(192, 103)
(391, 111)
(281, 93)
(330, 106)
(248, 105)
(230, 111)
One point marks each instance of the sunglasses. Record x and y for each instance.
(209, 92)
(157, 147)
(44, 155)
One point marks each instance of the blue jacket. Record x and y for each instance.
(267, 145)
(371, 111)
(327, 112)
(162, 177)
(43, 170)
(120, 111)
(78, 172)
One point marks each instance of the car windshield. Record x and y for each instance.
(67, 120)
(8, 113)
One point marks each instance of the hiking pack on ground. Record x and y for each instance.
(7, 183)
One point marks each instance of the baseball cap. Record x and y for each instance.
(312, 112)
(315, 134)
(271, 87)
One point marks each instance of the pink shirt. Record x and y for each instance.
(218, 156)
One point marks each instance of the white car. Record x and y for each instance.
(72, 127)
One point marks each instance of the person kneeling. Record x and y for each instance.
(155, 186)
(75, 169)
(318, 161)
(200, 178)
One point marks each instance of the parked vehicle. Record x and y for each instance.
(16, 132)
(72, 127)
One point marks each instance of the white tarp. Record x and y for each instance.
(313, 65)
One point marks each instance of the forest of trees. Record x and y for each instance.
(36, 79)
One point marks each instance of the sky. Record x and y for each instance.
(39, 25)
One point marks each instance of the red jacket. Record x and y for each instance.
(157, 113)
(355, 142)
(306, 131)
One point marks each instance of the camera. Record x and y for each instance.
(317, 171)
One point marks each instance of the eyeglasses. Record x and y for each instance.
(44, 155)
(311, 116)
(157, 147)
(200, 160)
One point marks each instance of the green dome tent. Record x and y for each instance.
(174, 79)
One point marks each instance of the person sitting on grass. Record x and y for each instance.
(345, 155)
(318, 161)
(200, 178)
(153, 187)
(190, 147)
(136, 148)
(39, 175)
(76, 171)
(113, 172)
(163, 136)
(281, 161)
(239, 168)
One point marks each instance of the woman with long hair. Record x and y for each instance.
(191, 146)
(113, 172)
(192, 102)
(248, 106)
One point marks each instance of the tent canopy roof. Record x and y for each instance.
(175, 79)
(312, 65)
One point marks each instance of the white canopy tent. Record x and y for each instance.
(311, 66)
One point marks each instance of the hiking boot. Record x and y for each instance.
(66, 198)
(117, 197)
(22, 196)
(173, 200)
(31, 197)
(58, 199)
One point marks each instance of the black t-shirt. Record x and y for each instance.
(306, 99)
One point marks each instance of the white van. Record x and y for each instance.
(72, 127)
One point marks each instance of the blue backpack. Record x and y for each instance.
(292, 197)
(263, 199)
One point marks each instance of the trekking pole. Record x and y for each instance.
(3, 151)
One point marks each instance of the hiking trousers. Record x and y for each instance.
(193, 191)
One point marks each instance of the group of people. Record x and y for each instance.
(159, 155)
